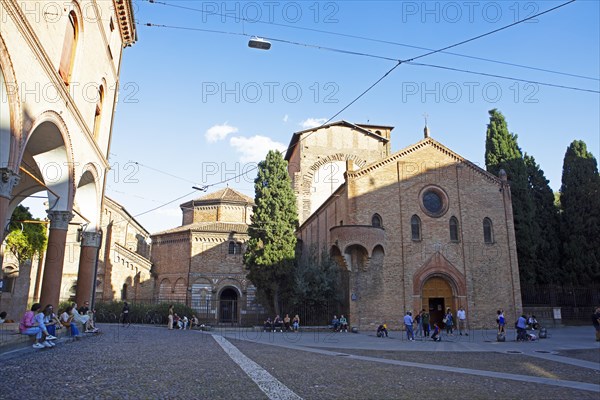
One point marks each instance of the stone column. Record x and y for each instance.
(90, 243)
(8, 180)
(55, 257)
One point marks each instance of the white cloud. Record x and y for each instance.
(312, 122)
(255, 148)
(219, 132)
(285, 119)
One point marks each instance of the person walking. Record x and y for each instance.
(419, 319)
(449, 322)
(425, 321)
(125, 313)
(408, 323)
(462, 321)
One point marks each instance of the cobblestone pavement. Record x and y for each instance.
(150, 362)
(316, 376)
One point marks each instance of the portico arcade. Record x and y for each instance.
(54, 138)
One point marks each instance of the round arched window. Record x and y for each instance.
(434, 201)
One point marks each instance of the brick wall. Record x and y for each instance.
(389, 280)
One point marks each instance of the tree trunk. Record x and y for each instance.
(276, 300)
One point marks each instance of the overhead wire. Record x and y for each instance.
(407, 61)
(502, 77)
(399, 62)
(492, 32)
(375, 40)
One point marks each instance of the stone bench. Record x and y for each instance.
(312, 328)
(10, 335)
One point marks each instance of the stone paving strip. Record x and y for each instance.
(521, 364)
(274, 389)
(484, 373)
(582, 354)
(567, 360)
(319, 374)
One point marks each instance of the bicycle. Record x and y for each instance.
(153, 317)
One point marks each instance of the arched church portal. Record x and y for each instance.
(436, 296)
(228, 306)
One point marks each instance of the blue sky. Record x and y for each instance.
(198, 107)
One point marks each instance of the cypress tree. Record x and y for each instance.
(546, 217)
(503, 152)
(580, 219)
(270, 254)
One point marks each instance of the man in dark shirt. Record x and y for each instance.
(125, 312)
(596, 322)
(83, 310)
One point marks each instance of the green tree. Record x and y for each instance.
(270, 254)
(503, 152)
(317, 279)
(26, 238)
(580, 219)
(547, 261)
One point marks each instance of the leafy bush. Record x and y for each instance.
(139, 313)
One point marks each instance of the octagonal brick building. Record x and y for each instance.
(200, 262)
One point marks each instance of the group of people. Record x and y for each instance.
(339, 324)
(424, 327)
(43, 324)
(522, 324)
(177, 322)
(278, 324)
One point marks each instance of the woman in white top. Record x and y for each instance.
(66, 319)
(83, 320)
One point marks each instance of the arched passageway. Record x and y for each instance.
(228, 307)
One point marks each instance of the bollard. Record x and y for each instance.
(354, 329)
(543, 333)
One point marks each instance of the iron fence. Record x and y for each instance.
(576, 303)
(219, 312)
(560, 295)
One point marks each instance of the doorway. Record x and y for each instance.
(436, 310)
(228, 306)
(437, 295)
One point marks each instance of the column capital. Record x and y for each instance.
(60, 219)
(91, 239)
(8, 180)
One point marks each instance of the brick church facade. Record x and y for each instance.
(422, 228)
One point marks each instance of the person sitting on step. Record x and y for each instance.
(436, 333)
(268, 325)
(343, 324)
(277, 324)
(29, 327)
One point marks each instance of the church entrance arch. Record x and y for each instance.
(228, 306)
(436, 296)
